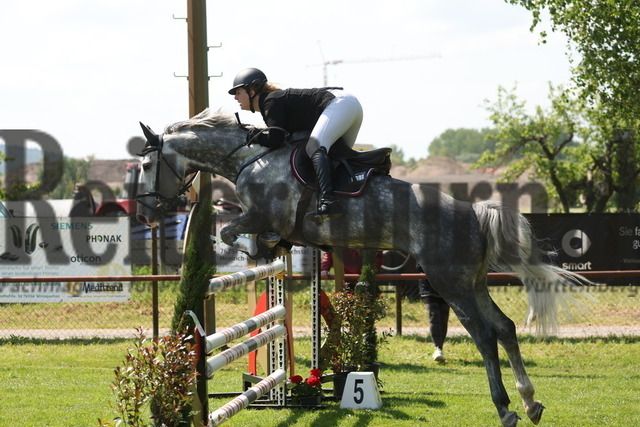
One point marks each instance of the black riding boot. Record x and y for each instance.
(328, 206)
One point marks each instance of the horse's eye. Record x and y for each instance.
(146, 166)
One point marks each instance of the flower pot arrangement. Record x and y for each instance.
(355, 346)
(306, 391)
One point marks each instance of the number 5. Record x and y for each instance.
(358, 391)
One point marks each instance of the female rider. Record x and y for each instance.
(329, 113)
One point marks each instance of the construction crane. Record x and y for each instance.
(325, 64)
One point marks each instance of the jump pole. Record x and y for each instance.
(218, 339)
(219, 361)
(245, 399)
(274, 338)
(219, 284)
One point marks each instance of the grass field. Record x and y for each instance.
(582, 382)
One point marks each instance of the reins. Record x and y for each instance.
(250, 141)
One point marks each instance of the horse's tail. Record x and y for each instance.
(512, 246)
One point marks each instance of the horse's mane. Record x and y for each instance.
(205, 119)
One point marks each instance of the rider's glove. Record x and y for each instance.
(253, 136)
(265, 137)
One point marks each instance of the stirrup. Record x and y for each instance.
(327, 209)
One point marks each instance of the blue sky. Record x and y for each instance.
(87, 71)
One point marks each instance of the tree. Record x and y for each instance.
(15, 190)
(615, 166)
(464, 145)
(574, 149)
(604, 35)
(545, 144)
(75, 171)
(64, 178)
(199, 264)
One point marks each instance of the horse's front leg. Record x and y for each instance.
(231, 234)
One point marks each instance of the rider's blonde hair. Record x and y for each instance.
(269, 87)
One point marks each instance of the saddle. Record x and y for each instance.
(352, 169)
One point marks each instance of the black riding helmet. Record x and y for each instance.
(249, 78)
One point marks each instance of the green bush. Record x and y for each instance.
(157, 378)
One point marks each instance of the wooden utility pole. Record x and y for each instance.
(198, 61)
(199, 100)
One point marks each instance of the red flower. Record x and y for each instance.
(314, 381)
(296, 379)
(316, 372)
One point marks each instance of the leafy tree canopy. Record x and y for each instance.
(75, 171)
(61, 181)
(15, 190)
(605, 36)
(464, 145)
(542, 144)
(580, 154)
(603, 45)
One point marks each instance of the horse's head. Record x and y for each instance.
(210, 142)
(162, 179)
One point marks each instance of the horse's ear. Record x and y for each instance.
(152, 138)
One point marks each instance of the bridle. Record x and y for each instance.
(156, 143)
(163, 202)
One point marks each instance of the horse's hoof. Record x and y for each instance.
(510, 419)
(534, 412)
(269, 239)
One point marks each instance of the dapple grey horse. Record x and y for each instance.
(455, 242)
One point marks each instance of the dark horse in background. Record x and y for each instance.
(455, 242)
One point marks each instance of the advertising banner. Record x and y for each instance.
(592, 242)
(38, 247)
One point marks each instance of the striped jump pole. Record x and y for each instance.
(274, 338)
(219, 284)
(245, 399)
(219, 361)
(232, 333)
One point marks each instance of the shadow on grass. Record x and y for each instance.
(532, 339)
(447, 367)
(333, 415)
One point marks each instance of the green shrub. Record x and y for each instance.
(157, 378)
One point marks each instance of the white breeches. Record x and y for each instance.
(340, 119)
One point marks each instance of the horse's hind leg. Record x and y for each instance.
(478, 317)
(508, 340)
(505, 331)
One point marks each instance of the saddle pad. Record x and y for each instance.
(349, 177)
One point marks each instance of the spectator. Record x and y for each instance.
(438, 316)
(352, 259)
